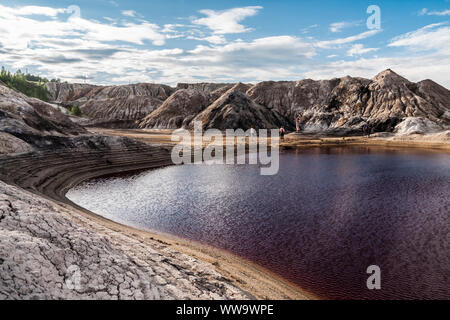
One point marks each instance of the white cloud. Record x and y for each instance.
(227, 21)
(341, 41)
(414, 68)
(172, 28)
(79, 48)
(427, 51)
(110, 19)
(18, 31)
(431, 37)
(214, 39)
(129, 13)
(273, 48)
(425, 11)
(128, 32)
(358, 49)
(262, 59)
(31, 10)
(308, 29)
(338, 26)
(118, 52)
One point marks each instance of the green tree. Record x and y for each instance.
(76, 111)
(25, 83)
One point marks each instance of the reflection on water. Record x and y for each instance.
(327, 216)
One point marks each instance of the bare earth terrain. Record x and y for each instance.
(52, 249)
(46, 239)
(439, 141)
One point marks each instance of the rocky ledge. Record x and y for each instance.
(48, 252)
(51, 250)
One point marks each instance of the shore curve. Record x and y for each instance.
(182, 269)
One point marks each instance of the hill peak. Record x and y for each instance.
(389, 77)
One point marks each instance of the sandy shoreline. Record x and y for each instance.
(50, 175)
(440, 142)
(259, 283)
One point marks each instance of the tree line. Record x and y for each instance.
(28, 84)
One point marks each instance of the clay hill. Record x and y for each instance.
(178, 110)
(388, 102)
(186, 104)
(111, 106)
(26, 122)
(234, 109)
(346, 104)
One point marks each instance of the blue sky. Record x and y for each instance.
(114, 41)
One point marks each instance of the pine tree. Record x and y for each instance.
(76, 111)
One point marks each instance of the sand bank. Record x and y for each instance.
(45, 236)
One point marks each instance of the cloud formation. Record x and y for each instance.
(427, 50)
(359, 49)
(129, 13)
(339, 26)
(31, 10)
(346, 40)
(227, 21)
(72, 48)
(426, 12)
(57, 42)
(431, 37)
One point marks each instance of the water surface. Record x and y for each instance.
(328, 215)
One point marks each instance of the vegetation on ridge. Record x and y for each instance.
(76, 111)
(28, 84)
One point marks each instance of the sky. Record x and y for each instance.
(171, 41)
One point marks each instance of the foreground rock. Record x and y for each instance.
(52, 249)
(47, 246)
(47, 252)
(44, 243)
(26, 123)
